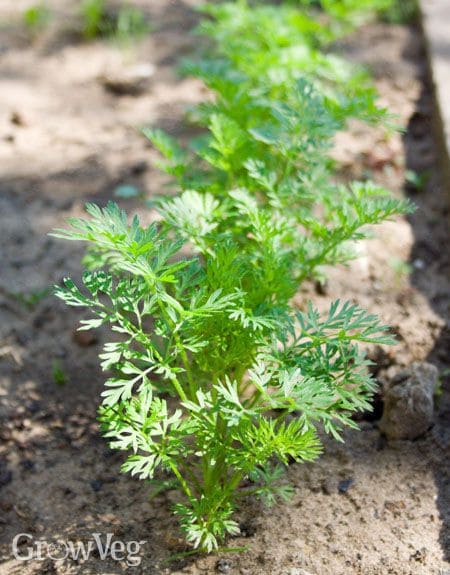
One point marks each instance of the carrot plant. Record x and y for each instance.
(215, 331)
(255, 44)
(215, 377)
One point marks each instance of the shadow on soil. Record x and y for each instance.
(430, 259)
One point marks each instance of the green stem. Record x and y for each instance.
(181, 349)
(193, 478)
(181, 479)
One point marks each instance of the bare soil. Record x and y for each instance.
(368, 506)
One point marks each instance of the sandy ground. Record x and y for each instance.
(65, 140)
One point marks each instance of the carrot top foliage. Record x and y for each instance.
(216, 378)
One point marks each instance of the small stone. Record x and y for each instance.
(224, 566)
(126, 192)
(418, 264)
(131, 82)
(409, 402)
(345, 484)
(96, 484)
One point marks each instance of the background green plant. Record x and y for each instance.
(36, 18)
(94, 19)
(216, 378)
(123, 25)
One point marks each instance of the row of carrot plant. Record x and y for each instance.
(216, 378)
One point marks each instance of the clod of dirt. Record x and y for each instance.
(329, 486)
(84, 338)
(409, 402)
(247, 529)
(419, 555)
(131, 82)
(17, 119)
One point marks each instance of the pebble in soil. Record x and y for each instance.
(409, 402)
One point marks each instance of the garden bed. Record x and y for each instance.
(367, 506)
